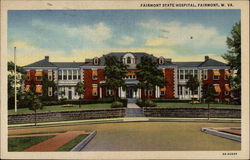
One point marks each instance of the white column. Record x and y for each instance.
(139, 90)
(77, 74)
(67, 74)
(62, 74)
(119, 92)
(183, 92)
(133, 94)
(100, 92)
(184, 72)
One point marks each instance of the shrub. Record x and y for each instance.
(116, 104)
(149, 103)
(146, 103)
(170, 100)
(124, 101)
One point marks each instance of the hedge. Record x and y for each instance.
(83, 101)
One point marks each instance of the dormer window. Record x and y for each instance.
(96, 61)
(128, 59)
(161, 60)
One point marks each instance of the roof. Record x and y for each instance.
(68, 64)
(41, 63)
(211, 62)
(119, 56)
(187, 64)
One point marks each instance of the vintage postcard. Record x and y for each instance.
(124, 79)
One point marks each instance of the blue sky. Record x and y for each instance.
(73, 35)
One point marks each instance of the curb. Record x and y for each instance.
(221, 134)
(122, 120)
(84, 142)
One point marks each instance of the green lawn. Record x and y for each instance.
(183, 105)
(68, 146)
(20, 144)
(63, 108)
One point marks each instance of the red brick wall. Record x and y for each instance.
(169, 83)
(88, 81)
(221, 82)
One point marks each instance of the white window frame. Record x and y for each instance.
(50, 92)
(96, 61)
(50, 75)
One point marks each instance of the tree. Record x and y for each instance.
(21, 76)
(80, 90)
(208, 93)
(32, 101)
(114, 71)
(149, 75)
(193, 84)
(233, 57)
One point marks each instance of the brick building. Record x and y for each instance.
(91, 72)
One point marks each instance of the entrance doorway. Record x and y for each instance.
(129, 92)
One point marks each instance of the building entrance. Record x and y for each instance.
(129, 92)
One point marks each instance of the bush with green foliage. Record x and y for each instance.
(117, 104)
(146, 103)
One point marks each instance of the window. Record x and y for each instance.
(39, 78)
(109, 92)
(181, 74)
(60, 75)
(180, 90)
(65, 74)
(74, 74)
(216, 77)
(216, 74)
(38, 75)
(217, 89)
(196, 91)
(162, 91)
(50, 76)
(128, 60)
(227, 93)
(39, 89)
(205, 74)
(94, 90)
(94, 75)
(161, 60)
(50, 91)
(186, 74)
(69, 74)
(96, 61)
(196, 73)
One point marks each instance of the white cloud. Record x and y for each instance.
(125, 40)
(175, 32)
(98, 32)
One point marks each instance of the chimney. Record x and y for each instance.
(206, 58)
(47, 58)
